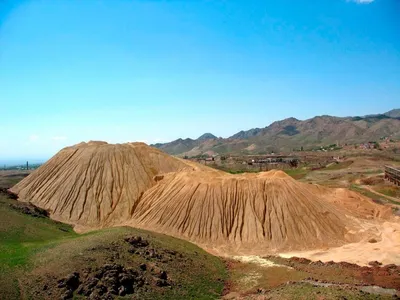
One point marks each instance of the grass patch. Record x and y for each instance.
(372, 195)
(390, 191)
(297, 173)
(234, 170)
(21, 237)
(243, 171)
(339, 166)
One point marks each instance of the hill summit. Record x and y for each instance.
(206, 136)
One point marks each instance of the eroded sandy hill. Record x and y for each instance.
(95, 184)
(253, 213)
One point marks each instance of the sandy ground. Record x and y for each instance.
(386, 250)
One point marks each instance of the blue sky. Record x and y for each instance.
(153, 71)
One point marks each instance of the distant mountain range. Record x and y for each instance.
(292, 133)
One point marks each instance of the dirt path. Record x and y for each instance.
(366, 187)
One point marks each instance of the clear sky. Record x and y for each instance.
(154, 71)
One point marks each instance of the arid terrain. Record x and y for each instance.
(300, 234)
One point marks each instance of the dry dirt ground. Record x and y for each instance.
(298, 278)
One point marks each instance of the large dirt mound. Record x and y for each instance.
(96, 184)
(252, 212)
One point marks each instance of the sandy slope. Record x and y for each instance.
(254, 213)
(96, 184)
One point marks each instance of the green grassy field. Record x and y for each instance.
(21, 237)
(35, 252)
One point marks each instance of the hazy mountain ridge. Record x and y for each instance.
(394, 113)
(293, 133)
(180, 146)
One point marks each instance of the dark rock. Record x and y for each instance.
(172, 252)
(61, 283)
(126, 279)
(317, 263)
(300, 260)
(87, 287)
(391, 266)
(158, 178)
(345, 264)
(163, 275)
(97, 296)
(137, 241)
(67, 295)
(109, 280)
(72, 281)
(29, 209)
(101, 289)
(143, 267)
(10, 194)
(152, 253)
(162, 283)
(140, 282)
(375, 263)
(99, 273)
(261, 291)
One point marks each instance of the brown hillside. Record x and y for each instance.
(96, 184)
